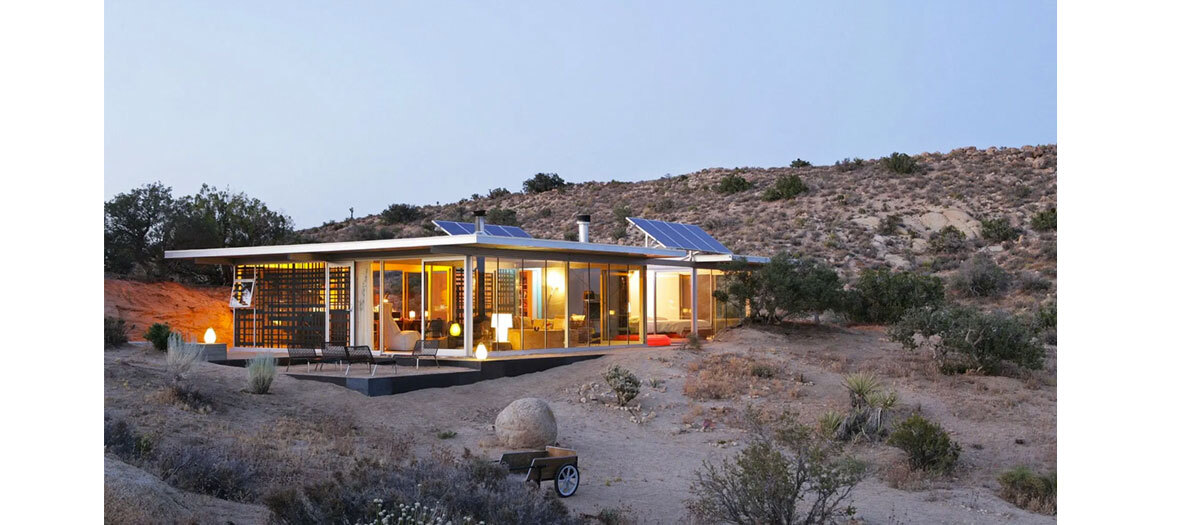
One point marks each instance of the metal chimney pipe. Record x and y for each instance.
(479, 220)
(584, 228)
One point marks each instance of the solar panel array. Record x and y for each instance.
(467, 228)
(678, 235)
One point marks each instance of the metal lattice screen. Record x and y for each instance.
(288, 306)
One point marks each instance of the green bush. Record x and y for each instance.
(623, 382)
(503, 217)
(997, 230)
(122, 440)
(971, 339)
(114, 332)
(260, 373)
(401, 214)
(900, 163)
(890, 225)
(980, 276)
(882, 296)
(212, 471)
(787, 188)
(1045, 220)
(785, 284)
(850, 164)
(496, 193)
(1029, 490)
(948, 240)
(733, 183)
(543, 182)
(927, 446)
(787, 475)
(800, 163)
(158, 334)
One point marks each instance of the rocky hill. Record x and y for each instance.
(838, 218)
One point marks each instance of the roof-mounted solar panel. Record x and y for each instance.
(678, 235)
(467, 228)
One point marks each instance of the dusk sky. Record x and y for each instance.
(314, 107)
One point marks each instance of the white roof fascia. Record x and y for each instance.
(475, 239)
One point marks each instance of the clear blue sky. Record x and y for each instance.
(317, 106)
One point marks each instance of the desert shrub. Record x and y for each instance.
(829, 423)
(850, 164)
(503, 217)
(114, 332)
(446, 434)
(1029, 490)
(260, 373)
(401, 214)
(466, 487)
(882, 296)
(623, 382)
(869, 406)
(800, 163)
(570, 236)
(784, 188)
(181, 356)
(997, 230)
(733, 183)
(785, 284)
(1045, 220)
(970, 339)
(900, 163)
(787, 475)
(186, 398)
(948, 240)
(927, 446)
(763, 370)
(496, 193)
(692, 342)
(212, 471)
(980, 276)
(121, 439)
(1033, 282)
(158, 334)
(1046, 322)
(615, 516)
(543, 182)
(890, 225)
(545, 212)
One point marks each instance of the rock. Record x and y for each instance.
(526, 423)
(897, 261)
(1040, 163)
(938, 218)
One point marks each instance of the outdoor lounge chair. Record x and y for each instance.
(425, 349)
(362, 354)
(301, 353)
(334, 353)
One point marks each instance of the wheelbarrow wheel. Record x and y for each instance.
(566, 481)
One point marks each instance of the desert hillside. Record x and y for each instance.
(188, 309)
(838, 218)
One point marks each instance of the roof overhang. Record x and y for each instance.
(414, 246)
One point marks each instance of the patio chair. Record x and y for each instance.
(425, 349)
(362, 354)
(334, 353)
(306, 354)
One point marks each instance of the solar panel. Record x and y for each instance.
(677, 235)
(467, 228)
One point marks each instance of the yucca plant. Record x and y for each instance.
(181, 355)
(829, 423)
(860, 386)
(261, 373)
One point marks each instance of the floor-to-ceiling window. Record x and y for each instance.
(556, 289)
(444, 303)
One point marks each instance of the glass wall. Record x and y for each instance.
(397, 304)
(444, 303)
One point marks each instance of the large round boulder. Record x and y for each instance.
(526, 423)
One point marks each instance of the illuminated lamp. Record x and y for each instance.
(481, 352)
(210, 336)
(456, 329)
(413, 314)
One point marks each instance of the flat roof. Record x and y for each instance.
(476, 240)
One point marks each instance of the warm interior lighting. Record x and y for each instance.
(456, 329)
(210, 336)
(413, 314)
(502, 323)
(481, 352)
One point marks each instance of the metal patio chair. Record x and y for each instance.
(362, 354)
(301, 353)
(427, 349)
(334, 353)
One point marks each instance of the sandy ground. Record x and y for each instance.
(645, 464)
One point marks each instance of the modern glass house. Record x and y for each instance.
(479, 285)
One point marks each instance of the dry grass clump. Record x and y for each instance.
(260, 373)
(1029, 490)
(728, 376)
(184, 397)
